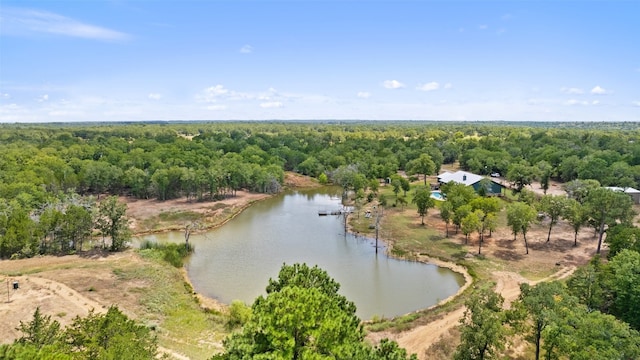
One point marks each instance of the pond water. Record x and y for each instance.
(236, 260)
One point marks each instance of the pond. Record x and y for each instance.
(236, 260)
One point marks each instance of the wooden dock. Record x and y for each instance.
(327, 212)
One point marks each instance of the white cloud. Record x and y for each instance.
(271, 105)
(246, 49)
(448, 86)
(507, 17)
(483, 27)
(576, 102)
(636, 103)
(43, 98)
(599, 91)
(19, 21)
(5, 96)
(364, 95)
(595, 102)
(216, 107)
(429, 86)
(155, 96)
(572, 91)
(212, 93)
(393, 84)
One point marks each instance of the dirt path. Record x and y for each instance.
(421, 338)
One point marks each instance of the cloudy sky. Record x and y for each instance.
(251, 60)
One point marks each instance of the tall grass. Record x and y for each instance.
(172, 253)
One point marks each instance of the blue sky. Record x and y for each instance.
(379, 60)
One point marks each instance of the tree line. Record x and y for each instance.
(42, 166)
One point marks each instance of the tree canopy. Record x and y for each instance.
(303, 317)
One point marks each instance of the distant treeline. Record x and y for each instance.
(46, 166)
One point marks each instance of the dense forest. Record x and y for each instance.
(59, 185)
(51, 175)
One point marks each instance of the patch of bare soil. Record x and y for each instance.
(147, 215)
(46, 282)
(296, 180)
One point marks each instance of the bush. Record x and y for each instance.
(239, 313)
(174, 254)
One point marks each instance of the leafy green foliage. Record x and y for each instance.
(624, 286)
(113, 223)
(520, 216)
(482, 333)
(304, 317)
(541, 304)
(422, 165)
(554, 207)
(97, 336)
(620, 237)
(239, 314)
(608, 207)
(172, 253)
(423, 200)
(40, 331)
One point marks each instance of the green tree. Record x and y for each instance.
(624, 286)
(458, 195)
(113, 223)
(405, 185)
(520, 216)
(461, 213)
(40, 331)
(607, 208)
(423, 200)
(304, 317)
(579, 189)
(482, 335)
(374, 185)
(110, 336)
(97, 336)
(401, 200)
(77, 225)
(138, 181)
(597, 336)
(540, 303)
(620, 237)
(544, 170)
(520, 175)
(489, 208)
(586, 284)
(554, 207)
(576, 215)
(446, 213)
(470, 223)
(422, 165)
